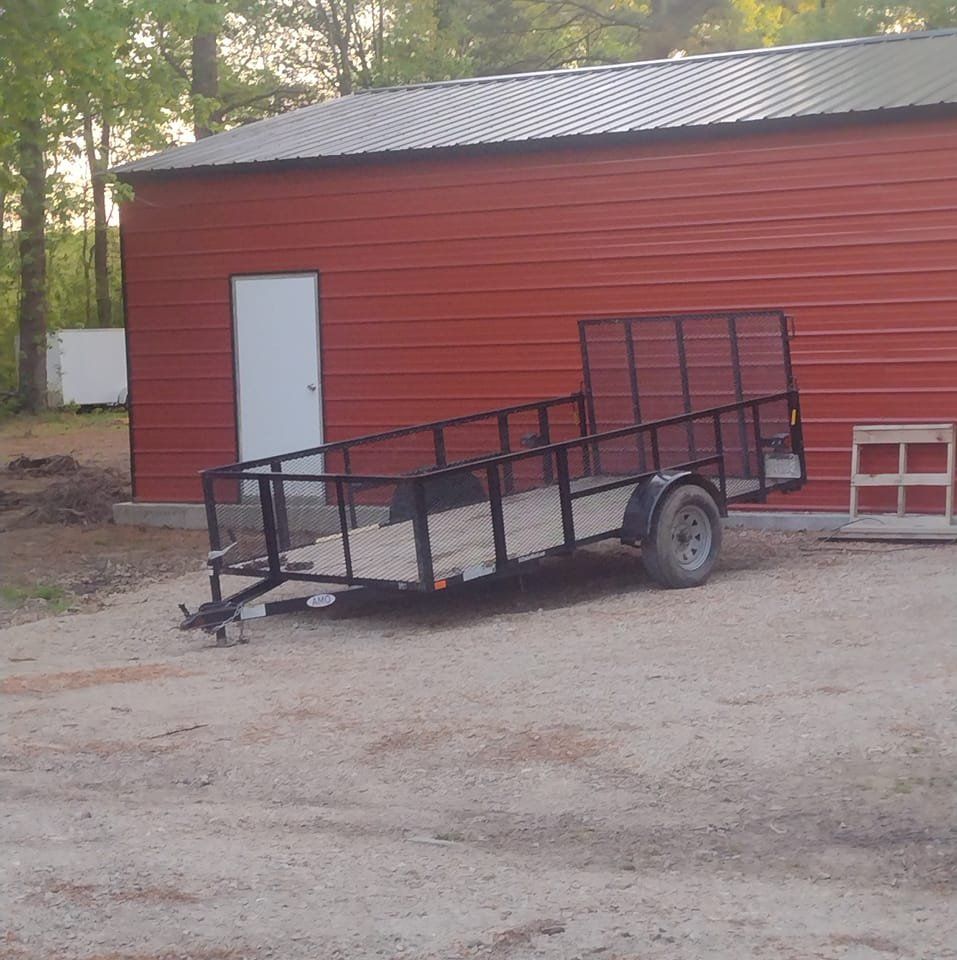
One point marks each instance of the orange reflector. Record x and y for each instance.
(794, 417)
(441, 584)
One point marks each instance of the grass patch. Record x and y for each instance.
(56, 597)
(56, 422)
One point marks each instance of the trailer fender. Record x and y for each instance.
(640, 512)
(441, 493)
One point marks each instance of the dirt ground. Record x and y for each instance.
(51, 567)
(590, 768)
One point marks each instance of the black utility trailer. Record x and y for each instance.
(679, 416)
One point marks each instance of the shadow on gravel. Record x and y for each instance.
(865, 839)
(590, 575)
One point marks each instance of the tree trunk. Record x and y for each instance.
(205, 82)
(335, 22)
(345, 67)
(32, 361)
(99, 163)
(87, 296)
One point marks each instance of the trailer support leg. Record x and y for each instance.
(216, 593)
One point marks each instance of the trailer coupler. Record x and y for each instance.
(209, 616)
(215, 615)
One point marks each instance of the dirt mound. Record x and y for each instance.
(9, 500)
(57, 489)
(86, 497)
(44, 466)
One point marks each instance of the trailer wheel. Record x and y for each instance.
(685, 539)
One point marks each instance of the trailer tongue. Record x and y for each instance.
(679, 417)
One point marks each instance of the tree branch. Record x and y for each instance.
(178, 68)
(240, 102)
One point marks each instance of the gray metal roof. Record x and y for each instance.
(841, 77)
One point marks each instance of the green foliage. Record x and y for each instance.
(255, 78)
(60, 422)
(764, 23)
(840, 19)
(14, 596)
(70, 289)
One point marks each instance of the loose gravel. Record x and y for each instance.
(577, 766)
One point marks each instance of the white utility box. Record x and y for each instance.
(87, 367)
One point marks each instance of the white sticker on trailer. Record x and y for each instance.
(253, 612)
(320, 600)
(478, 570)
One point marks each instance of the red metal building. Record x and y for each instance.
(453, 265)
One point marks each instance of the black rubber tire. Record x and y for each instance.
(661, 552)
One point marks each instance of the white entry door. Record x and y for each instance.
(278, 376)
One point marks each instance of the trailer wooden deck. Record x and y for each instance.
(462, 539)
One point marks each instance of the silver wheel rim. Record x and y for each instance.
(691, 537)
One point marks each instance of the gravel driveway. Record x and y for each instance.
(586, 768)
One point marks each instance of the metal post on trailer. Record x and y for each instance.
(438, 441)
(787, 334)
(347, 467)
(589, 398)
(756, 417)
(796, 424)
(215, 559)
(583, 432)
(498, 517)
(269, 528)
(633, 381)
(685, 382)
(544, 435)
(797, 431)
(655, 450)
(420, 530)
(565, 496)
(505, 443)
(344, 527)
(719, 452)
(739, 392)
(282, 515)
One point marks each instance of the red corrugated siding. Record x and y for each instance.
(455, 284)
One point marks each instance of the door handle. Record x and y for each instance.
(311, 386)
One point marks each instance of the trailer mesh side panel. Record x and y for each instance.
(531, 515)
(236, 519)
(468, 522)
